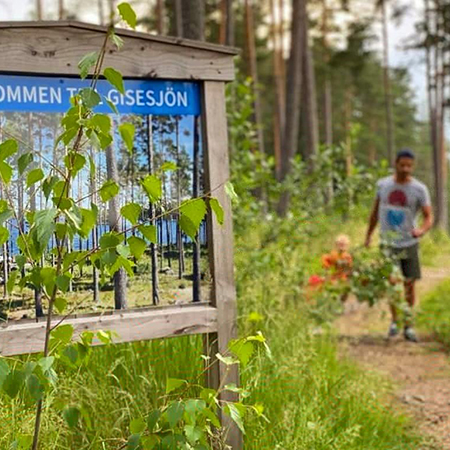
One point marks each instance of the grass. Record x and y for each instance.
(312, 398)
(434, 314)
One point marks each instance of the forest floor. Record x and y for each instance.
(420, 372)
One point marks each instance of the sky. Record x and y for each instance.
(399, 34)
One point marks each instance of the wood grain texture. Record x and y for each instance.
(58, 49)
(220, 238)
(24, 338)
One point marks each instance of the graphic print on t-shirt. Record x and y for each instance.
(395, 212)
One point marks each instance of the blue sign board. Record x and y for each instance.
(47, 94)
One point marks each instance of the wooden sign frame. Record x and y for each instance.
(43, 48)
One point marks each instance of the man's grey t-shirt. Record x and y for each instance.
(399, 205)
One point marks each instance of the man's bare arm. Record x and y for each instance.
(373, 221)
(428, 221)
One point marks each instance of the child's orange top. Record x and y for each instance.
(339, 262)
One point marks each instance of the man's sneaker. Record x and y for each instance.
(410, 335)
(393, 330)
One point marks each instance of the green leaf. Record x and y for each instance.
(86, 63)
(101, 122)
(111, 105)
(127, 132)
(23, 442)
(109, 190)
(8, 148)
(173, 384)
(229, 190)
(89, 97)
(137, 426)
(24, 161)
(115, 79)
(168, 166)
(212, 417)
(195, 210)
(193, 433)
(74, 162)
(14, 381)
(153, 188)
(134, 442)
(12, 281)
(109, 240)
(89, 219)
(5, 172)
(63, 334)
(44, 222)
(235, 414)
(63, 282)
(188, 227)
(227, 360)
(127, 13)
(194, 406)
(4, 371)
(60, 304)
(4, 235)
(217, 208)
(34, 176)
(131, 212)
(106, 337)
(175, 413)
(149, 232)
(137, 246)
(48, 185)
(71, 353)
(116, 40)
(152, 420)
(243, 350)
(35, 388)
(71, 415)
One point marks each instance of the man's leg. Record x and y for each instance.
(410, 297)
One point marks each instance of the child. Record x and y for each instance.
(339, 261)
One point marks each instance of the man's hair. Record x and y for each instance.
(405, 153)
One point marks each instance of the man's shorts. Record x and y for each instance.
(408, 260)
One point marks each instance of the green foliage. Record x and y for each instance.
(434, 315)
(127, 13)
(115, 78)
(190, 423)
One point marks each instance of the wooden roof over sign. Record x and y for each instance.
(56, 47)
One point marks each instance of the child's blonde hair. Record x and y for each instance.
(342, 240)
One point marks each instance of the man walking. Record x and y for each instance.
(399, 200)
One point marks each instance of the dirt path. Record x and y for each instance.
(421, 372)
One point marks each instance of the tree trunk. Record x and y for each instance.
(193, 19)
(120, 277)
(293, 97)
(94, 237)
(387, 86)
(227, 23)
(178, 181)
(160, 14)
(309, 98)
(279, 89)
(253, 70)
(327, 89)
(196, 273)
(60, 9)
(39, 9)
(101, 12)
(153, 248)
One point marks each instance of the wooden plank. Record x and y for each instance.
(123, 32)
(220, 239)
(57, 50)
(24, 338)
